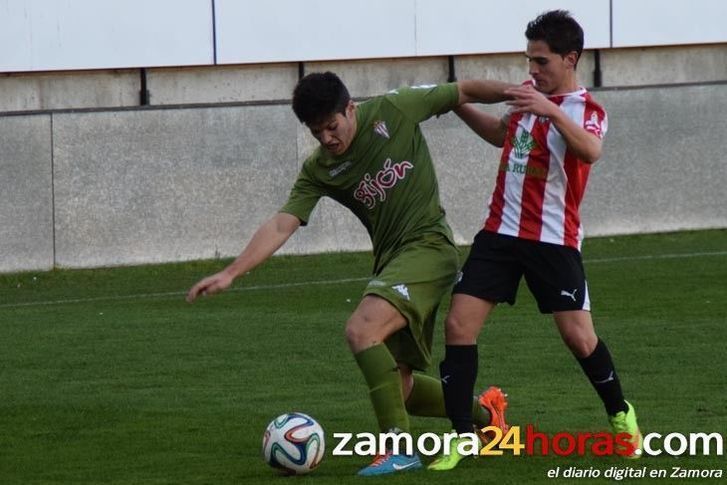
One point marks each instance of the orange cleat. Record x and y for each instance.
(495, 401)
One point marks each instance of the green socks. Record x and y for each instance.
(382, 376)
(426, 399)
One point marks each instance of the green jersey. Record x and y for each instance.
(386, 177)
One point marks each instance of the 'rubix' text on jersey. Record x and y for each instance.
(373, 187)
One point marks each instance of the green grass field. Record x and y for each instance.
(108, 376)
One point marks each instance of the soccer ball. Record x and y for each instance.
(293, 443)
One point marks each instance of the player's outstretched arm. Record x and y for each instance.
(490, 128)
(483, 91)
(267, 239)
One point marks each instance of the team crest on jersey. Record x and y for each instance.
(523, 145)
(381, 129)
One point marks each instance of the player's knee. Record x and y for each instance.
(580, 345)
(360, 335)
(354, 335)
(460, 331)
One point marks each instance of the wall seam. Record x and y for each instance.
(610, 22)
(214, 33)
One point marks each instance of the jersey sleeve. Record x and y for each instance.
(303, 196)
(419, 103)
(595, 119)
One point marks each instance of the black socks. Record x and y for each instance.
(459, 373)
(599, 369)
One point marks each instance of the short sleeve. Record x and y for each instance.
(303, 197)
(419, 103)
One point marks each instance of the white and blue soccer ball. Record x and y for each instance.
(294, 443)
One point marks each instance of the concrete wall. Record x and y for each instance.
(26, 193)
(153, 185)
(146, 186)
(80, 89)
(662, 168)
(265, 82)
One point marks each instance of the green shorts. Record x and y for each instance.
(415, 281)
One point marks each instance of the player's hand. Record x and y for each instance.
(527, 99)
(210, 285)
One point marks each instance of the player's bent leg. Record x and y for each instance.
(576, 330)
(426, 399)
(465, 319)
(372, 322)
(458, 370)
(369, 326)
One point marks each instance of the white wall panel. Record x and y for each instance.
(306, 30)
(291, 30)
(477, 26)
(41, 35)
(660, 22)
(47, 35)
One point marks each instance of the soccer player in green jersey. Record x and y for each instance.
(374, 160)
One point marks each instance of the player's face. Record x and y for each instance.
(336, 132)
(551, 72)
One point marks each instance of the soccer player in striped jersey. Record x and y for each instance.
(550, 137)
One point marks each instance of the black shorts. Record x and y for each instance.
(553, 273)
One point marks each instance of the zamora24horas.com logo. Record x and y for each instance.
(528, 441)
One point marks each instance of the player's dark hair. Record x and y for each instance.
(559, 30)
(318, 96)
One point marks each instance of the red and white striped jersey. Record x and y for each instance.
(540, 183)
